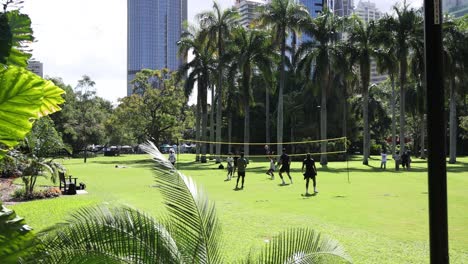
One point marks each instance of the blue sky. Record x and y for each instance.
(77, 37)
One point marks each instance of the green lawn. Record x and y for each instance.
(380, 216)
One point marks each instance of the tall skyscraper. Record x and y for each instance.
(153, 29)
(248, 10)
(368, 11)
(342, 8)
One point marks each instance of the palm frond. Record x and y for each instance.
(300, 245)
(105, 234)
(193, 222)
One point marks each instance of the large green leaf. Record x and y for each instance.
(6, 38)
(15, 236)
(22, 35)
(24, 97)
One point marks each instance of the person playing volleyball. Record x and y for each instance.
(285, 162)
(310, 172)
(272, 166)
(241, 165)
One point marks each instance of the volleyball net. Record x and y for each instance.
(332, 146)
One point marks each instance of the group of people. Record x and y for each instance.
(309, 169)
(404, 160)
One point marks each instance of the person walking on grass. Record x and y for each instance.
(310, 172)
(383, 164)
(397, 159)
(241, 165)
(272, 167)
(285, 162)
(172, 156)
(230, 166)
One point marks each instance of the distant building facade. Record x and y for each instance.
(456, 8)
(153, 30)
(342, 8)
(248, 10)
(37, 67)
(368, 11)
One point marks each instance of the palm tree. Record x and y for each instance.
(403, 27)
(252, 54)
(200, 67)
(455, 56)
(190, 233)
(417, 66)
(316, 61)
(363, 40)
(345, 78)
(282, 16)
(387, 62)
(217, 25)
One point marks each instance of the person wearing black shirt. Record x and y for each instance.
(241, 165)
(285, 164)
(310, 172)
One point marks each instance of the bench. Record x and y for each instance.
(68, 184)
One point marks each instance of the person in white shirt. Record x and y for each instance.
(383, 164)
(172, 157)
(230, 166)
(272, 167)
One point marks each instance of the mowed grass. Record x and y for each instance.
(379, 216)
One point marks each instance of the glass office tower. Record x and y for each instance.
(153, 29)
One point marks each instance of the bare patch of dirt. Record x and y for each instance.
(7, 188)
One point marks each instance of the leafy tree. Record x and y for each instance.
(282, 16)
(157, 111)
(83, 118)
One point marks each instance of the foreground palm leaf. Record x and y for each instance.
(300, 245)
(193, 222)
(15, 235)
(108, 235)
(24, 97)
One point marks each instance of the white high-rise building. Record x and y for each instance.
(37, 67)
(342, 8)
(368, 11)
(248, 10)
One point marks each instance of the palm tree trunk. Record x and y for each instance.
(197, 129)
(423, 135)
(392, 77)
(293, 148)
(365, 76)
(246, 129)
(365, 113)
(453, 123)
(219, 109)
(229, 132)
(345, 110)
(267, 115)
(323, 126)
(279, 127)
(212, 136)
(403, 66)
(203, 92)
